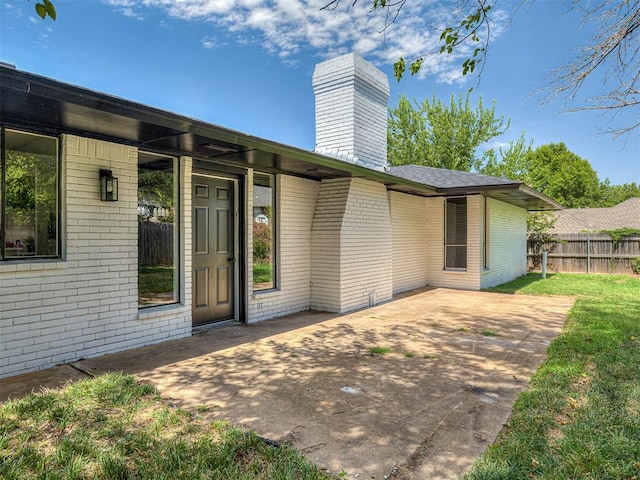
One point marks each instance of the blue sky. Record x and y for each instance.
(247, 64)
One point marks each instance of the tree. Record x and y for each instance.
(513, 162)
(611, 195)
(551, 169)
(612, 55)
(539, 226)
(435, 135)
(563, 176)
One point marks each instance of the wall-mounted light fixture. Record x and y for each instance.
(108, 186)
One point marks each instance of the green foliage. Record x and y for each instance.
(563, 176)
(620, 234)
(262, 273)
(635, 265)
(452, 38)
(441, 136)
(378, 351)
(512, 163)
(30, 185)
(489, 332)
(262, 243)
(551, 169)
(156, 199)
(611, 195)
(155, 279)
(539, 225)
(45, 8)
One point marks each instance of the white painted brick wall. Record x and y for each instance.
(351, 108)
(351, 245)
(84, 305)
(295, 203)
(437, 275)
(507, 243)
(409, 225)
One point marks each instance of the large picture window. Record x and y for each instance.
(29, 202)
(158, 279)
(264, 264)
(455, 244)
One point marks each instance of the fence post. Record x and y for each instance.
(544, 264)
(588, 253)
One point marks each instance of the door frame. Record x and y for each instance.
(239, 301)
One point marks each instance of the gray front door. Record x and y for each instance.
(213, 250)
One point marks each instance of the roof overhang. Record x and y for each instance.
(35, 102)
(517, 194)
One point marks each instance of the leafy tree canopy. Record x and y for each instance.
(551, 169)
(439, 135)
(563, 176)
(611, 195)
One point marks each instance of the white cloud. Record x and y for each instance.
(284, 27)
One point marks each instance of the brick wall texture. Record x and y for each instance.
(342, 244)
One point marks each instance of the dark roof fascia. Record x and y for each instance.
(49, 88)
(29, 83)
(514, 187)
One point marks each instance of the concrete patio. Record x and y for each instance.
(425, 410)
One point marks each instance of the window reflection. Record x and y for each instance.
(157, 230)
(264, 271)
(30, 196)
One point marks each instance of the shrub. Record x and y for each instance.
(261, 243)
(635, 265)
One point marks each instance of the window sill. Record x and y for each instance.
(156, 310)
(455, 270)
(272, 291)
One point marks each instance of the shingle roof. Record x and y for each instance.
(441, 178)
(574, 220)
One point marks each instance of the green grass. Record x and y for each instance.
(580, 416)
(112, 427)
(377, 350)
(262, 273)
(155, 280)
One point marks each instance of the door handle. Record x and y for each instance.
(231, 259)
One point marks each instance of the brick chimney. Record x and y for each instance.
(351, 111)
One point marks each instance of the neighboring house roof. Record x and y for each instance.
(575, 220)
(39, 102)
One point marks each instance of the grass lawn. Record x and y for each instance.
(112, 427)
(262, 273)
(580, 416)
(155, 279)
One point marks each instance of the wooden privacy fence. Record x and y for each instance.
(586, 253)
(155, 243)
